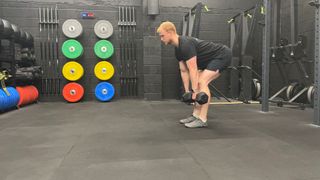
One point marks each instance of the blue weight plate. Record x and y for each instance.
(104, 91)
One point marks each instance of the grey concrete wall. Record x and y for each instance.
(152, 68)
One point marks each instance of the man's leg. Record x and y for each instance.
(197, 107)
(204, 79)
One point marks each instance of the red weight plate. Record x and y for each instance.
(72, 92)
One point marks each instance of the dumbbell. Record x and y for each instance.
(187, 98)
(201, 98)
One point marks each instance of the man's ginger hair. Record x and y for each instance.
(167, 26)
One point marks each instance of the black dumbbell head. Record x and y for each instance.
(187, 97)
(202, 98)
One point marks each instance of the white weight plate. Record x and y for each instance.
(72, 28)
(103, 29)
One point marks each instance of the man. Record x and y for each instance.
(199, 61)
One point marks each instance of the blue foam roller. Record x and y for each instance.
(3, 100)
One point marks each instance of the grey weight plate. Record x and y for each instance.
(72, 28)
(16, 32)
(289, 91)
(310, 94)
(7, 28)
(256, 89)
(103, 29)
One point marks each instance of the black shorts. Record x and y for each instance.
(222, 62)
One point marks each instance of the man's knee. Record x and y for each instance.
(203, 83)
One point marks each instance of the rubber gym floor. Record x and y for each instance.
(142, 140)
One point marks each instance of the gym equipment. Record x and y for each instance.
(7, 29)
(127, 21)
(236, 83)
(28, 73)
(8, 99)
(187, 98)
(104, 91)
(293, 89)
(316, 99)
(291, 54)
(16, 32)
(49, 50)
(28, 95)
(256, 89)
(1, 27)
(103, 29)
(29, 39)
(201, 98)
(103, 49)
(72, 92)
(25, 50)
(72, 28)
(284, 52)
(244, 84)
(23, 36)
(104, 70)
(72, 71)
(191, 21)
(25, 56)
(310, 95)
(127, 64)
(72, 49)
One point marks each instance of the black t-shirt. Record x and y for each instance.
(204, 50)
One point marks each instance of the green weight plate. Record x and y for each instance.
(103, 49)
(72, 49)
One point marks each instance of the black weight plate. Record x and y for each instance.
(7, 29)
(16, 32)
(1, 27)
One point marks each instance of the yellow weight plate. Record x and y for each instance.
(104, 70)
(72, 71)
